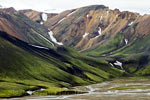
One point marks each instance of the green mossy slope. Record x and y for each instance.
(24, 67)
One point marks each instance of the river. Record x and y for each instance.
(111, 90)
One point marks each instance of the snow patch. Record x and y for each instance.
(130, 23)
(87, 16)
(86, 34)
(100, 31)
(126, 41)
(41, 23)
(111, 64)
(42, 89)
(44, 38)
(71, 13)
(62, 20)
(119, 64)
(38, 46)
(53, 38)
(30, 92)
(101, 18)
(107, 12)
(44, 16)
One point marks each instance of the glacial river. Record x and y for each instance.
(134, 90)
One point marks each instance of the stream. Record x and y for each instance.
(134, 90)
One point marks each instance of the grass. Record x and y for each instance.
(27, 29)
(111, 45)
(134, 79)
(24, 67)
(134, 56)
(130, 87)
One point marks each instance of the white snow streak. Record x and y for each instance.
(119, 64)
(111, 64)
(44, 38)
(71, 13)
(38, 46)
(101, 18)
(100, 31)
(53, 38)
(130, 23)
(126, 41)
(30, 92)
(41, 23)
(87, 16)
(107, 12)
(62, 20)
(86, 34)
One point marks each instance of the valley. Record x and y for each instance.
(87, 53)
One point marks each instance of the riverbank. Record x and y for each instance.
(131, 88)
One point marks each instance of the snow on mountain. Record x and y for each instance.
(54, 39)
(86, 34)
(44, 16)
(100, 31)
(126, 41)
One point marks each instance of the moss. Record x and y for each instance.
(29, 68)
(131, 87)
(108, 47)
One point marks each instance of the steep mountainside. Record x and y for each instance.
(37, 16)
(112, 44)
(89, 27)
(23, 28)
(121, 38)
(24, 67)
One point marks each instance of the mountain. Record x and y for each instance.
(90, 27)
(121, 38)
(40, 59)
(37, 16)
(32, 61)
(20, 26)
(24, 67)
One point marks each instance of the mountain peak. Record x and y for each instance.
(10, 10)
